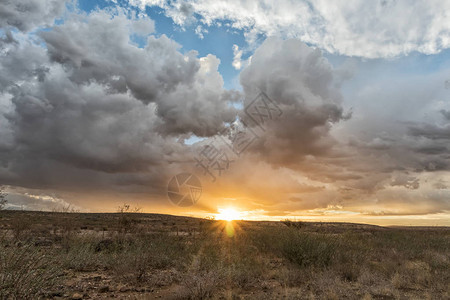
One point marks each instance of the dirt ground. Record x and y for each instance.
(45, 255)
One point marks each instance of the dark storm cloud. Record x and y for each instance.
(28, 14)
(300, 81)
(383, 160)
(188, 91)
(445, 114)
(94, 111)
(431, 132)
(19, 63)
(409, 182)
(84, 109)
(430, 145)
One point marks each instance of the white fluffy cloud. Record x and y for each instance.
(237, 55)
(370, 29)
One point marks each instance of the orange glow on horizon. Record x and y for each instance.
(228, 214)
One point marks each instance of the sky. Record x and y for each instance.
(308, 110)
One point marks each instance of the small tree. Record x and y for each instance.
(3, 200)
(127, 219)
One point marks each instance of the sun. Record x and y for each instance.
(228, 214)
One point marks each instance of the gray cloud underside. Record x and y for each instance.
(28, 14)
(92, 105)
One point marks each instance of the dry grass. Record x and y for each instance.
(131, 255)
(26, 272)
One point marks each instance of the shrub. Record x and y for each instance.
(26, 273)
(295, 224)
(301, 248)
(201, 285)
(308, 249)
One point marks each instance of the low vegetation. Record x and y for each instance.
(3, 195)
(130, 254)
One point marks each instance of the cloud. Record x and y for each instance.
(431, 132)
(29, 14)
(446, 114)
(199, 31)
(143, 26)
(293, 146)
(300, 81)
(187, 91)
(363, 162)
(372, 30)
(407, 181)
(89, 117)
(19, 198)
(237, 55)
(91, 111)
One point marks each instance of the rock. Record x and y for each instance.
(77, 296)
(124, 289)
